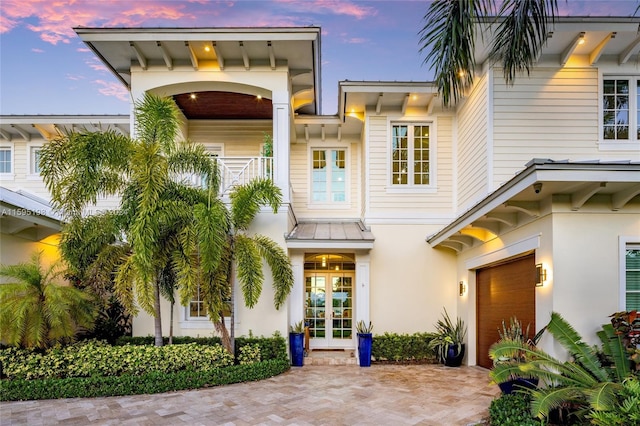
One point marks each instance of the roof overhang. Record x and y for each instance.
(223, 49)
(47, 127)
(587, 40)
(27, 216)
(330, 235)
(520, 200)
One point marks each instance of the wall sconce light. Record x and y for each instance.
(462, 288)
(541, 275)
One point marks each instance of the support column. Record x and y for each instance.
(297, 297)
(362, 290)
(281, 154)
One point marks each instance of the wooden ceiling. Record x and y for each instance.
(223, 105)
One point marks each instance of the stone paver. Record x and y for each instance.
(311, 395)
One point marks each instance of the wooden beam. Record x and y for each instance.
(580, 197)
(141, 58)
(218, 55)
(379, 104)
(621, 198)
(5, 135)
(168, 60)
(570, 49)
(26, 135)
(405, 102)
(272, 56)
(628, 51)
(245, 56)
(192, 55)
(594, 56)
(322, 131)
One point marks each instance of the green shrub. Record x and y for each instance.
(149, 383)
(94, 358)
(512, 410)
(249, 354)
(403, 348)
(624, 411)
(273, 347)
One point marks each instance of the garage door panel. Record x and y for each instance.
(503, 291)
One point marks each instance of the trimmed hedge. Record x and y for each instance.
(273, 347)
(156, 382)
(512, 410)
(403, 348)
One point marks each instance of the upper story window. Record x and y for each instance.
(328, 176)
(197, 307)
(410, 155)
(34, 160)
(620, 109)
(6, 160)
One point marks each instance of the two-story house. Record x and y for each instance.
(518, 200)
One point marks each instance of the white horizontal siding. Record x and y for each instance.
(240, 138)
(551, 114)
(472, 147)
(385, 202)
(22, 179)
(300, 170)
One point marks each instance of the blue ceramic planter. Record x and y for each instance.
(364, 349)
(296, 347)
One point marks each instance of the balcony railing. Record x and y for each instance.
(238, 171)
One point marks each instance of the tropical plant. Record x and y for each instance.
(37, 310)
(623, 410)
(448, 333)
(161, 222)
(451, 29)
(580, 382)
(297, 328)
(363, 328)
(243, 252)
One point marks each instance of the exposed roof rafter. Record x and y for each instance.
(628, 51)
(570, 49)
(192, 55)
(26, 135)
(218, 55)
(245, 56)
(621, 198)
(168, 60)
(578, 198)
(142, 60)
(272, 55)
(595, 53)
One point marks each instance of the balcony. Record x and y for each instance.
(238, 171)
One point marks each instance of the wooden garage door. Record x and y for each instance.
(504, 291)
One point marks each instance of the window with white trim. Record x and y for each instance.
(620, 109)
(6, 160)
(632, 277)
(410, 155)
(34, 160)
(197, 307)
(328, 175)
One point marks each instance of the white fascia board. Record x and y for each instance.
(198, 34)
(328, 245)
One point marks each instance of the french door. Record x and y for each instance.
(329, 309)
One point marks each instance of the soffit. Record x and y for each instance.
(27, 216)
(220, 49)
(517, 202)
(615, 39)
(28, 127)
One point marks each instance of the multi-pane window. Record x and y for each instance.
(197, 306)
(328, 176)
(5, 160)
(632, 277)
(34, 160)
(410, 154)
(620, 109)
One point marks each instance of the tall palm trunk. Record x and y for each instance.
(157, 318)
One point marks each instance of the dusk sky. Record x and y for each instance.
(46, 69)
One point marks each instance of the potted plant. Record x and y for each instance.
(365, 339)
(448, 340)
(296, 344)
(515, 333)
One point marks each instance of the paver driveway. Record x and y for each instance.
(311, 395)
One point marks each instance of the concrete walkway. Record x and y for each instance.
(311, 395)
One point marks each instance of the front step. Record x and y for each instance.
(331, 357)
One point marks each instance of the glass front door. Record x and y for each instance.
(329, 309)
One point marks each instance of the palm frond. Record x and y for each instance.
(604, 396)
(157, 121)
(249, 269)
(247, 199)
(280, 266)
(614, 347)
(448, 37)
(568, 337)
(521, 34)
(212, 229)
(545, 399)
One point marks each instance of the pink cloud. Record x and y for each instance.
(73, 77)
(332, 7)
(116, 90)
(34, 50)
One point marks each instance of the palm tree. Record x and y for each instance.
(450, 30)
(150, 230)
(37, 311)
(583, 381)
(244, 254)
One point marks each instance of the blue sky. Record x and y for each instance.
(46, 69)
